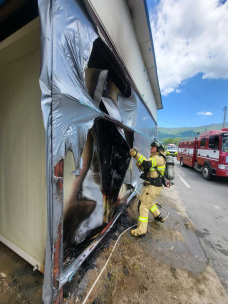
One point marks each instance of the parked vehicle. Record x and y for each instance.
(171, 150)
(207, 153)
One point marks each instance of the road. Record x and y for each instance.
(206, 204)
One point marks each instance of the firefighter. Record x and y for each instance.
(154, 169)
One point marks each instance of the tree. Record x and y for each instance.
(168, 141)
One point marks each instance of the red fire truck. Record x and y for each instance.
(207, 153)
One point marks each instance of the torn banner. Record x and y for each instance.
(69, 112)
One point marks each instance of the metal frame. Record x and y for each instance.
(58, 246)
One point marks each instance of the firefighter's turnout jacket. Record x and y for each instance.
(150, 192)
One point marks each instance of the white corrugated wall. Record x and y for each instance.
(22, 146)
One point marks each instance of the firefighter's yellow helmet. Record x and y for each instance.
(158, 144)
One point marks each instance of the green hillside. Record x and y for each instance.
(185, 133)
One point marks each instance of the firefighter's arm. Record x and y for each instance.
(141, 160)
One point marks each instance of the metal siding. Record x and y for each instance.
(22, 156)
(119, 27)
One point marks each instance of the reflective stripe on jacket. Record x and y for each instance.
(157, 161)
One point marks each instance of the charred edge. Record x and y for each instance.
(58, 172)
(114, 159)
(71, 270)
(110, 180)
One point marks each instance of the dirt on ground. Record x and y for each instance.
(168, 265)
(19, 284)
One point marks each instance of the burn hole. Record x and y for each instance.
(113, 153)
(103, 58)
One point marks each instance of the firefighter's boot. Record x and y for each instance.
(141, 229)
(159, 218)
(136, 233)
(156, 213)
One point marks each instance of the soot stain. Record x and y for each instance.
(113, 153)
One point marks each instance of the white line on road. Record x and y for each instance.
(186, 184)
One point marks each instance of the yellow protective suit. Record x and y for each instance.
(149, 193)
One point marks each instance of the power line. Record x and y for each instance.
(173, 123)
(190, 92)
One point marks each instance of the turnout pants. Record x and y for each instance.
(147, 204)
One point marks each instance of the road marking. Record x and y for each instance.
(186, 184)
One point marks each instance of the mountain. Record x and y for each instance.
(185, 133)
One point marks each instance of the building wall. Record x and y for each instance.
(22, 137)
(126, 44)
(22, 142)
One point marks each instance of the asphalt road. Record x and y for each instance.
(206, 204)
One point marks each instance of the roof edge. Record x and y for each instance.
(152, 43)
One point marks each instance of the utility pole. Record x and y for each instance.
(224, 121)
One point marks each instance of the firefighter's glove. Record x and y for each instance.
(133, 152)
(139, 166)
(159, 218)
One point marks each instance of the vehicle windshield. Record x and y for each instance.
(225, 144)
(171, 148)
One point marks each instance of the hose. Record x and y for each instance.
(95, 282)
(165, 209)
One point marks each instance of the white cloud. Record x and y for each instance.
(145, 118)
(178, 91)
(190, 37)
(205, 113)
(167, 91)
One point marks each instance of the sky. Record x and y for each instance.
(191, 47)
